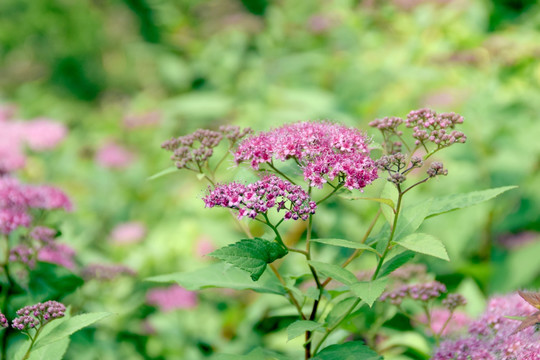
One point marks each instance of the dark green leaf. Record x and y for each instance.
(251, 255)
(395, 262)
(354, 350)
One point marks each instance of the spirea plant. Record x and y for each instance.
(304, 166)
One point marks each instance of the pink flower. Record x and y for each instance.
(114, 156)
(128, 233)
(48, 197)
(44, 134)
(60, 254)
(204, 247)
(324, 150)
(172, 298)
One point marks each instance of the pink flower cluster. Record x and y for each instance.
(172, 298)
(324, 150)
(17, 200)
(491, 337)
(422, 292)
(38, 134)
(128, 232)
(257, 198)
(60, 254)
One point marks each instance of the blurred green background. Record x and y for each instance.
(172, 66)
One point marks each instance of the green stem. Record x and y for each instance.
(33, 339)
(315, 307)
(280, 173)
(439, 334)
(394, 225)
(339, 186)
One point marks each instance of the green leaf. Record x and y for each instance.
(257, 354)
(353, 350)
(520, 318)
(68, 327)
(299, 327)
(410, 219)
(223, 275)
(164, 172)
(313, 293)
(346, 243)
(251, 255)
(448, 203)
(390, 192)
(396, 262)
(335, 272)
(369, 291)
(53, 351)
(425, 244)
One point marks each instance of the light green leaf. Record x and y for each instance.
(251, 255)
(339, 310)
(410, 219)
(223, 275)
(313, 293)
(369, 291)
(408, 339)
(425, 244)
(53, 351)
(353, 350)
(396, 262)
(390, 192)
(257, 354)
(167, 171)
(299, 327)
(68, 327)
(448, 203)
(346, 243)
(335, 272)
(520, 318)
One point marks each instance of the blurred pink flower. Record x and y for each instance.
(128, 232)
(458, 323)
(142, 120)
(48, 197)
(60, 254)
(114, 156)
(44, 134)
(172, 298)
(204, 247)
(6, 112)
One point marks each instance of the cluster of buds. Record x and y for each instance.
(257, 198)
(423, 292)
(3, 321)
(428, 126)
(436, 168)
(397, 166)
(389, 129)
(23, 254)
(454, 301)
(408, 272)
(193, 150)
(30, 317)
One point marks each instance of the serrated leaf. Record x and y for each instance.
(346, 243)
(425, 244)
(396, 262)
(251, 255)
(353, 350)
(299, 327)
(222, 275)
(448, 203)
(410, 219)
(68, 327)
(369, 291)
(164, 172)
(335, 272)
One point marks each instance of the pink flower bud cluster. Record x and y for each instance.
(23, 254)
(60, 254)
(454, 301)
(324, 150)
(429, 126)
(106, 272)
(3, 321)
(193, 150)
(29, 317)
(422, 292)
(492, 335)
(38, 135)
(257, 198)
(17, 200)
(172, 298)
